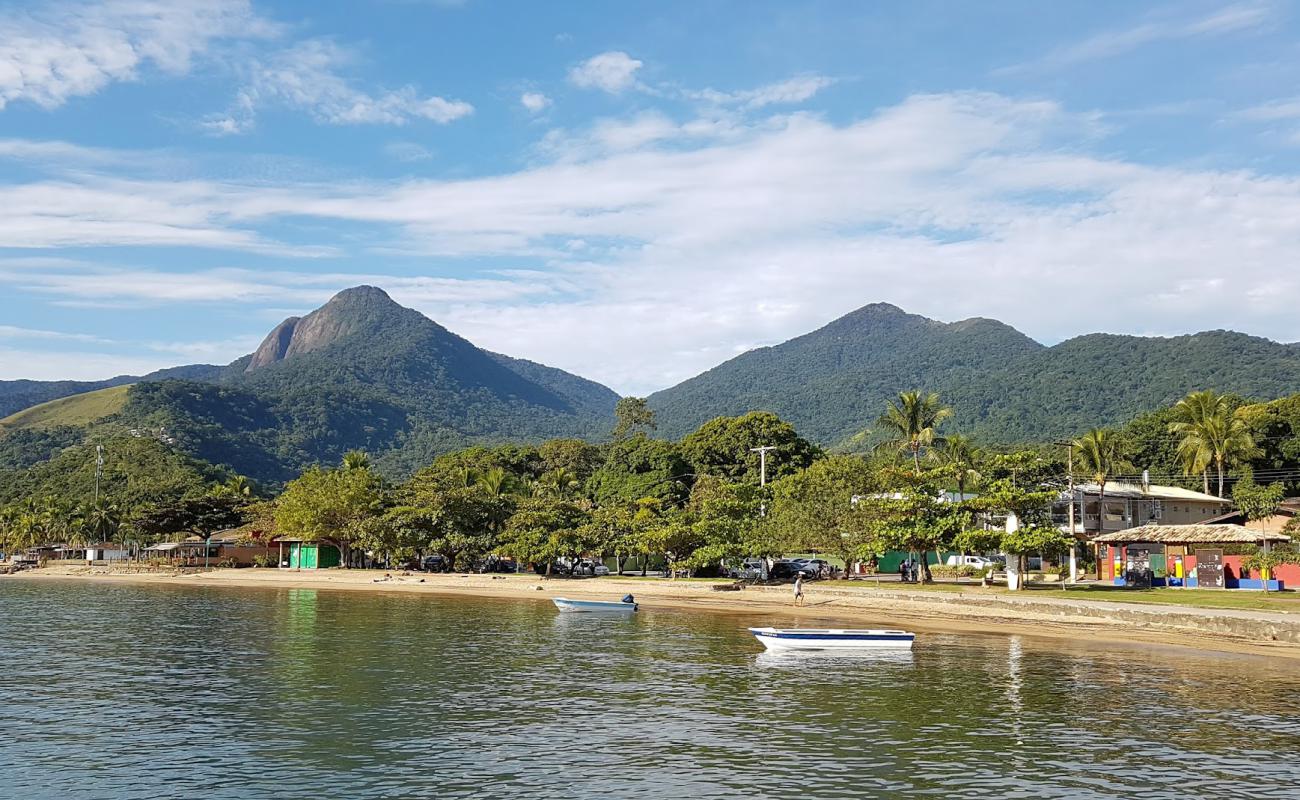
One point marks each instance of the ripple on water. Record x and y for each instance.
(143, 692)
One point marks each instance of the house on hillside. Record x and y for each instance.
(1130, 505)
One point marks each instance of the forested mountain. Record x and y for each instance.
(359, 372)
(1003, 386)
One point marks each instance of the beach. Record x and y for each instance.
(829, 603)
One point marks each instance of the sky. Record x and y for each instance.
(636, 192)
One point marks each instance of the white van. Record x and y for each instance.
(978, 562)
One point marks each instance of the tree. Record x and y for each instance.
(639, 467)
(101, 520)
(912, 422)
(1212, 433)
(724, 447)
(559, 483)
(202, 516)
(329, 504)
(544, 529)
(574, 455)
(1100, 453)
(356, 459)
(917, 520)
(960, 455)
(726, 520)
(632, 415)
(815, 509)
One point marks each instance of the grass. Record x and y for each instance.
(77, 410)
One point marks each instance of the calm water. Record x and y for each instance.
(144, 692)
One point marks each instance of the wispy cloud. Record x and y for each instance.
(62, 50)
(1168, 25)
(791, 90)
(308, 77)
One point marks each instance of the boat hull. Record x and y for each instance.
(603, 606)
(832, 639)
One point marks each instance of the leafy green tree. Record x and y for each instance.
(612, 532)
(544, 529)
(912, 423)
(632, 415)
(329, 504)
(917, 520)
(1258, 502)
(1100, 454)
(574, 455)
(201, 516)
(639, 467)
(724, 447)
(815, 509)
(726, 520)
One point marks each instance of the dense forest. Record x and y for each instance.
(691, 503)
(1005, 387)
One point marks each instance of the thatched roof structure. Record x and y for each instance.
(1191, 534)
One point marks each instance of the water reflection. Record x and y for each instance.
(265, 693)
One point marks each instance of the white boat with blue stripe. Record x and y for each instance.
(832, 639)
(565, 604)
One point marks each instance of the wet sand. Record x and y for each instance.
(1273, 634)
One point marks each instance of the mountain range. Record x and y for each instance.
(365, 372)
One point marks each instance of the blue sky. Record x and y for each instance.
(638, 191)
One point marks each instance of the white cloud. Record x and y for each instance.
(15, 332)
(307, 77)
(64, 50)
(535, 102)
(656, 248)
(1226, 20)
(612, 72)
(1274, 111)
(791, 90)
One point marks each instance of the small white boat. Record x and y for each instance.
(831, 639)
(565, 604)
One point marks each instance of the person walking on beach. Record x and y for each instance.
(798, 589)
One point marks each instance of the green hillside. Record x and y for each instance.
(75, 411)
(1003, 386)
(364, 372)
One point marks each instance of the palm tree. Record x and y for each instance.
(558, 483)
(1212, 434)
(1101, 456)
(101, 521)
(356, 459)
(962, 456)
(240, 486)
(495, 481)
(913, 421)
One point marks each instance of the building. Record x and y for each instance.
(298, 554)
(1130, 505)
(1186, 555)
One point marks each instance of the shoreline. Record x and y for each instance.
(1269, 634)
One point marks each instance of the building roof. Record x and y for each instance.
(1152, 491)
(1190, 534)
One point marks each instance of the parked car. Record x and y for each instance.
(434, 563)
(821, 565)
(495, 564)
(749, 569)
(978, 562)
(787, 570)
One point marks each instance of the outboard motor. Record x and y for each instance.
(627, 598)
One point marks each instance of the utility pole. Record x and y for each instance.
(1069, 477)
(99, 470)
(762, 482)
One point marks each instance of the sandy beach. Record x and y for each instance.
(829, 603)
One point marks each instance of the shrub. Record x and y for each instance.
(262, 560)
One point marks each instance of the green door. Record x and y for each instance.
(310, 556)
(295, 555)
